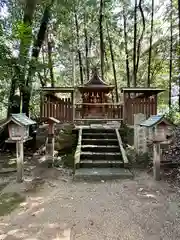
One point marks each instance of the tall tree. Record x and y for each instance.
(113, 63)
(171, 52)
(141, 36)
(25, 43)
(150, 44)
(126, 47)
(86, 45)
(179, 49)
(78, 47)
(101, 36)
(50, 62)
(135, 44)
(27, 88)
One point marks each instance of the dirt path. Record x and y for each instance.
(118, 210)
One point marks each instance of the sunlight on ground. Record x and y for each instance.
(23, 233)
(30, 204)
(63, 236)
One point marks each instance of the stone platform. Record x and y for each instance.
(102, 174)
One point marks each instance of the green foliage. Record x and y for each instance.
(65, 140)
(9, 202)
(21, 31)
(173, 114)
(16, 39)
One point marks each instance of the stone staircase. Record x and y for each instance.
(99, 155)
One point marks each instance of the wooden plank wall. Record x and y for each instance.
(108, 111)
(147, 106)
(61, 109)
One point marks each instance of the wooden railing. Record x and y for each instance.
(98, 111)
(62, 110)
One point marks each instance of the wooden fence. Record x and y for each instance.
(108, 111)
(61, 109)
(147, 106)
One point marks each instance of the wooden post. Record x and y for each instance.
(41, 106)
(20, 160)
(73, 105)
(124, 107)
(50, 140)
(156, 160)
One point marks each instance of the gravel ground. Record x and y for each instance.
(114, 210)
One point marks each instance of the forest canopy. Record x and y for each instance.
(133, 43)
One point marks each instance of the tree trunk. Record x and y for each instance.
(25, 42)
(50, 63)
(141, 37)
(134, 47)
(171, 50)
(13, 105)
(113, 63)
(78, 48)
(126, 48)
(26, 93)
(101, 37)
(150, 44)
(179, 50)
(86, 47)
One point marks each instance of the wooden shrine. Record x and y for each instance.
(18, 127)
(139, 100)
(96, 96)
(94, 101)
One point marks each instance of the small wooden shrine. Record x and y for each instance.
(96, 95)
(139, 100)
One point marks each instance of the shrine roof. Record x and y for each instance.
(96, 82)
(146, 91)
(155, 120)
(20, 119)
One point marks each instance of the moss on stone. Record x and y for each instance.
(66, 140)
(127, 134)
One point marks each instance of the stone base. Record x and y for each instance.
(102, 174)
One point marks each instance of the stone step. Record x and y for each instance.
(109, 156)
(100, 164)
(100, 148)
(98, 174)
(99, 135)
(98, 130)
(104, 141)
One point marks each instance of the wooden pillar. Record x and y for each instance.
(20, 161)
(155, 107)
(41, 105)
(124, 107)
(50, 140)
(73, 105)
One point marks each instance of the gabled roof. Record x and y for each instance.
(96, 83)
(95, 80)
(20, 119)
(154, 120)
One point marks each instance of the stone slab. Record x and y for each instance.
(102, 174)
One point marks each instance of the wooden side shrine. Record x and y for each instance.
(94, 101)
(139, 100)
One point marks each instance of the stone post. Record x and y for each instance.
(140, 134)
